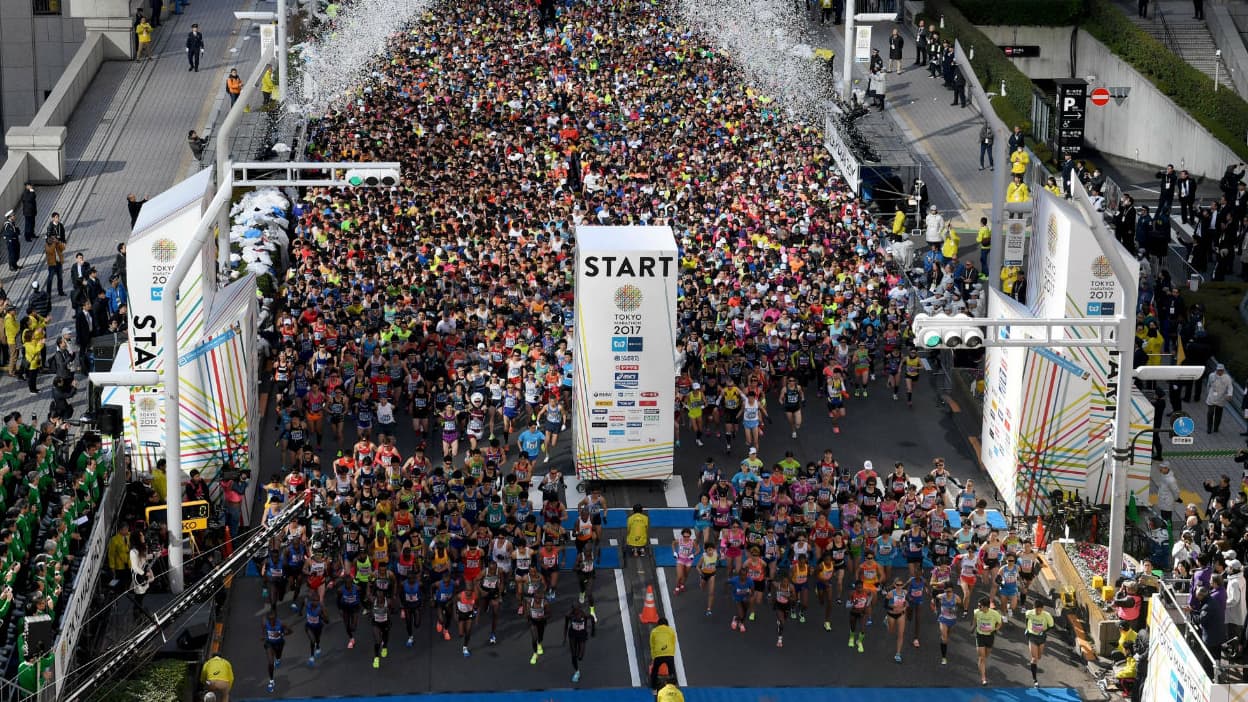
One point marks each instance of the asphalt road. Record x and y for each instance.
(877, 428)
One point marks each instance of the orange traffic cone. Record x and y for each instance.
(229, 543)
(649, 615)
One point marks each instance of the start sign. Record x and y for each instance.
(194, 515)
(1100, 97)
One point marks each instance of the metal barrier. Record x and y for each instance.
(93, 557)
(1191, 633)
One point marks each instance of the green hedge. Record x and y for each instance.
(1223, 113)
(1027, 13)
(989, 62)
(164, 680)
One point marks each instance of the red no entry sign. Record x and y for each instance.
(1100, 97)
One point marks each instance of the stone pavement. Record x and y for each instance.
(128, 135)
(945, 138)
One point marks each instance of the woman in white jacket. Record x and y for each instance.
(1167, 491)
(1236, 605)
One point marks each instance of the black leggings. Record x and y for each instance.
(412, 619)
(381, 636)
(577, 648)
(537, 627)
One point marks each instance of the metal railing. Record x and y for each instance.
(1191, 632)
(1167, 35)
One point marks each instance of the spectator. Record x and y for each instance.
(1167, 492)
(1217, 396)
(217, 677)
(119, 555)
(267, 86)
(1128, 605)
(1236, 604)
(143, 30)
(30, 210)
(134, 205)
(197, 145)
(54, 253)
(233, 86)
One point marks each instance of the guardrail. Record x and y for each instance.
(1191, 632)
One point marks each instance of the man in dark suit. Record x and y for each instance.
(78, 273)
(93, 286)
(30, 209)
(1185, 187)
(84, 330)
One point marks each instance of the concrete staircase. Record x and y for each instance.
(1172, 24)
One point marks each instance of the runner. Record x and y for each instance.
(1008, 578)
(1039, 622)
(443, 603)
(535, 606)
(410, 604)
(382, 606)
(695, 404)
(683, 550)
(274, 643)
(577, 628)
(912, 366)
(859, 608)
(946, 605)
(708, 566)
(915, 590)
(466, 612)
(552, 423)
(783, 596)
(753, 412)
(350, 599)
(836, 395)
(987, 623)
(792, 399)
(743, 595)
(313, 625)
(585, 570)
(490, 589)
(896, 605)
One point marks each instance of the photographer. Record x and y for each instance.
(1219, 491)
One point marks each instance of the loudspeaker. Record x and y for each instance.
(109, 420)
(39, 633)
(193, 637)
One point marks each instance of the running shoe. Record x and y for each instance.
(732, 626)
(270, 686)
(827, 626)
(836, 429)
(741, 627)
(593, 613)
(546, 459)
(984, 682)
(466, 652)
(864, 393)
(581, 598)
(944, 661)
(851, 640)
(410, 641)
(493, 639)
(385, 652)
(894, 396)
(708, 612)
(779, 642)
(437, 626)
(376, 662)
(317, 653)
(294, 606)
(870, 621)
(794, 435)
(792, 615)
(576, 677)
(1035, 683)
(520, 610)
(540, 650)
(897, 658)
(564, 428)
(446, 634)
(311, 661)
(916, 643)
(277, 663)
(801, 619)
(550, 596)
(533, 659)
(351, 642)
(698, 442)
(860, 644)
(751, 616)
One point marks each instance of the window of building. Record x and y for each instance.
(47, 7)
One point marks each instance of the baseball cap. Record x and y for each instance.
(867, 465)
(753, 451)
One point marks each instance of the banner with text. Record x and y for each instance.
(625, 382)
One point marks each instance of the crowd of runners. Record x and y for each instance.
(423, 378)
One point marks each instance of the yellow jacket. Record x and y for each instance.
(144, 32)
(217, 668)
(34, 350)
(1017, 192)
(11, 327)
(899, 223)
(119, 552)
(662, 641)
(1019, 161)
(266, 82)
(984, 238)
(638, 530)
(949, 249)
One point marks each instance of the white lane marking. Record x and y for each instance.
(671, 621)
(634, 670)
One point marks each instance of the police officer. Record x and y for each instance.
(12, 239)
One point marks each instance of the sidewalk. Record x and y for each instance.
(945, 138)
(127, 135)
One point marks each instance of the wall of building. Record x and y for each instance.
(1130, 129)
(33, 54)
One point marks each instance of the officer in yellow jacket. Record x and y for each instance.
(1017, 190)
(949, 249)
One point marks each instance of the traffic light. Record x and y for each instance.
(934, 331)
(373, 177)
